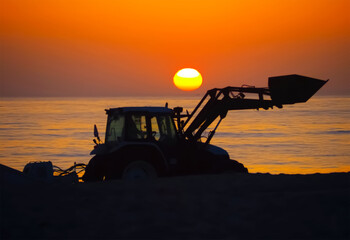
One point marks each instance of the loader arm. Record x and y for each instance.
(288, 89)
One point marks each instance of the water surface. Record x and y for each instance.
(302, 138)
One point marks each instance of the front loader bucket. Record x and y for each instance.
(294, 88)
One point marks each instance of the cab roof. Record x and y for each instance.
(140, 109)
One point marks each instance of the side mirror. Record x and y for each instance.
(96, 135)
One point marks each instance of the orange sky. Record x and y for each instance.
(114, 48)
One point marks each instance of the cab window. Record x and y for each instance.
(163, 129)
(137, 127)
(155, 129)
(116, 128)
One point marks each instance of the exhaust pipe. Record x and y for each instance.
(294, 88)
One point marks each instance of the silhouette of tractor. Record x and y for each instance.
(149, 142)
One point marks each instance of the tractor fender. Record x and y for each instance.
(217, 151)
(150, 152)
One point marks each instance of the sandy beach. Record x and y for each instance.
(238, 206)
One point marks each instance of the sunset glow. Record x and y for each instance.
(188, 79)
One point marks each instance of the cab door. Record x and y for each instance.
(163, 133)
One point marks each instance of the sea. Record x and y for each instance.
(305, 138)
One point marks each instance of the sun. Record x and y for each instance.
(188, 79)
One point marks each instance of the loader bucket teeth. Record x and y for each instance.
(294, 88)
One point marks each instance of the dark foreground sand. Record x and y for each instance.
(237, 206)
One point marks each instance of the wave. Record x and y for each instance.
(337, 132)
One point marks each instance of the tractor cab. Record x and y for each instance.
(140, 124)
(137, 125)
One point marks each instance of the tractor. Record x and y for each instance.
(150, 142)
